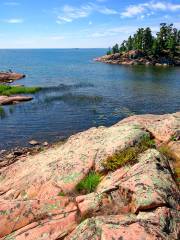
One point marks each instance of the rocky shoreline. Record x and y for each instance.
(10, 76)
(138, 200)
(136, 57)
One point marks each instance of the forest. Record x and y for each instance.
(166, 42)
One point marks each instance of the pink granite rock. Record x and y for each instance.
(5, 100)
(162, 127)
(160, 224)
(50, 218)
(146, 185)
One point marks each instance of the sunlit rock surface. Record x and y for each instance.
(38, 197)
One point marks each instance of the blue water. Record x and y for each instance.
(79, 93)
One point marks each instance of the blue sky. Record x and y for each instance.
(77, 23)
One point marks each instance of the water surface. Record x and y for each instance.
(79, 93)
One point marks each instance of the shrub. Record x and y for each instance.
(128, 155)
(89, 183)
(165, 151)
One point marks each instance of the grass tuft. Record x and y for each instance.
(164, 150)
(10, 90)
(89, 183)
(128, 155)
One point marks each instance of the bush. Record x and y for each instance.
(128, 155)
(89, 183)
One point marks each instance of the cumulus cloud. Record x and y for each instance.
(144, 8)
(69, 13)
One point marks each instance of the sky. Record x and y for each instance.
(80, 24)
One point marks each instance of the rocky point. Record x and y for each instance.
(139, 200)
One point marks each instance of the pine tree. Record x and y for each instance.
(115, 49)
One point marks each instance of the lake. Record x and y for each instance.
(79, 93)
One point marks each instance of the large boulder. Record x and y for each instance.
(32, 219)
(146, 185)
(38, 197)
(160, 224)
(61, 168)
(162, 127)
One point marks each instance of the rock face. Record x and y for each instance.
(136, 57)
(8, 76)
(5, 100)
(38, 197)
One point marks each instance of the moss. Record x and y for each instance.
(10, 90)
(89, 183)
(177, 174)
(166, 151)
(128, 155)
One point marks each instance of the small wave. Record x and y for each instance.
(75, 99)
(65, 87)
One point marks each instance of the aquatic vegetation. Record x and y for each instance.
(10, 90)
(2, 112)
(65, 87)
(89, 184)
(128, 155)
(75, 99)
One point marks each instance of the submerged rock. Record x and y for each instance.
(38, 197)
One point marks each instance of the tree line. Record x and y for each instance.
(165, 43)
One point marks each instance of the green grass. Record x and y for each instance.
(165, 151)
(128, 155)
(61, 194)
(10, 90)
(89, 183)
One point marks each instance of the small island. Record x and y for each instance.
(145, 49)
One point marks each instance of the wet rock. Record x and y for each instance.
(33, 142)
(45, 144)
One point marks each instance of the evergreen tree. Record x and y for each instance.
(165, 44)
(129, 44)
(123, 47)
(147, 40)
(115, 49)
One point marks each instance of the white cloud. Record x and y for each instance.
(144, 8)
(14, 20)
(133, 10)
(69, 13)
(114, 31)
(12, 3)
